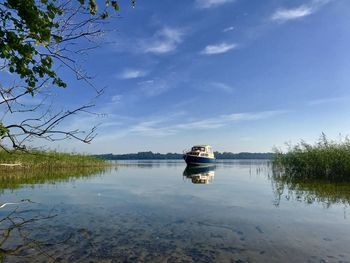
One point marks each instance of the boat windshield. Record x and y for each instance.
(201, 149)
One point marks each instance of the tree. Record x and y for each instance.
(37, 37)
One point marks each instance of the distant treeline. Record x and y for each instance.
(173, 156)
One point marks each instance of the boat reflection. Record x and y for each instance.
(200, 174)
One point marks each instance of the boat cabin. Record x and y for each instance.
(202, 151)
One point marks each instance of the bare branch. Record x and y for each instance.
(77, 32)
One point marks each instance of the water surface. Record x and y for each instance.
(160, 211)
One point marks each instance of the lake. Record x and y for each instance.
(161, 211)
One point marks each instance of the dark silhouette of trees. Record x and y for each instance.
(172, 156)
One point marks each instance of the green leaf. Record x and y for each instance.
(104, 15)
(3, 130)
(57, 38)
(115, 5)
(92, 7)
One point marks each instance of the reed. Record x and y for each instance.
(326, 159)
(46, 159)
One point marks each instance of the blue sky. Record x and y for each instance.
(239, 75)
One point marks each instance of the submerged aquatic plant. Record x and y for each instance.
(326, 159)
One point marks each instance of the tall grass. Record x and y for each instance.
(326, 159)
(47, 159)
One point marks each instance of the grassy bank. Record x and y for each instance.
(326, 159)
(46, 159)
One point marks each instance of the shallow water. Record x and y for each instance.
(161, 212)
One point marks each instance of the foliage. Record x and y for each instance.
(36, 38)
(325, 159)
(26, 24)
(28, 29)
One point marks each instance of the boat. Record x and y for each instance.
(200, 174)
(199, 155)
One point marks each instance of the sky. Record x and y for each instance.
(238, 75)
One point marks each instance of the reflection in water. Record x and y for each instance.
(200, 174)
(309, 190)
(149, 163)
(149, 215)
(14, 179)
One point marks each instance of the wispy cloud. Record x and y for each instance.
(163, 126)
(225, 120)
(115, 120)
(132, 74)
(214, 87)
(227, 29)
(218, 48)
(221, 87)
(116, 99)
(325, 100)
(287, 14)
(164, 41)
(172, 123)
(150, 128)
(211, 3)
(158, 126)
(154, 87)
(283, 15)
